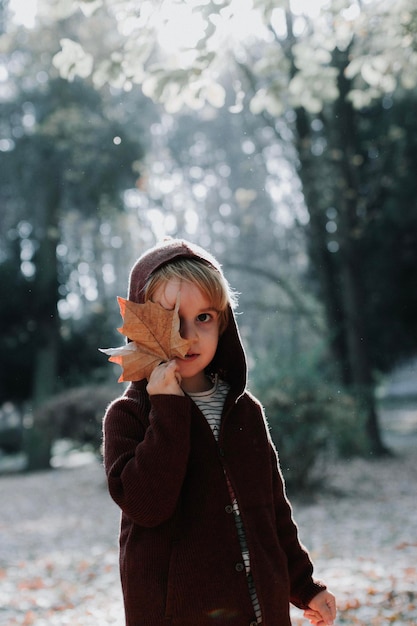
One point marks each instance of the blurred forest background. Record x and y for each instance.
(280, 135)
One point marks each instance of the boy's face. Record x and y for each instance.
(199, 323)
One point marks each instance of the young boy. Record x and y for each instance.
(207, 536)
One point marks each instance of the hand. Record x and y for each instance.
(165, 379)
(322, 609)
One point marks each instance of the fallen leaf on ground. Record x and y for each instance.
(154, 338)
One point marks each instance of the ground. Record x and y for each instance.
(58, 541)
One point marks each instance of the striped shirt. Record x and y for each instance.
(211, 404)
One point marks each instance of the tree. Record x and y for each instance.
(322, 71)
(389, 240)
(379, 63)
(227, 163)
(66, 156)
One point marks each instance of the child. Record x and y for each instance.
(207, 536)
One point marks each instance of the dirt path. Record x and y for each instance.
(58, 553)
(58, 539)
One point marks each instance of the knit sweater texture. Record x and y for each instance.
(180, 556)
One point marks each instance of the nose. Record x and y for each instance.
(187, 330)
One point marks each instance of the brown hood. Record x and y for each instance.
(229, 361)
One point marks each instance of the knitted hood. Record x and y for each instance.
(229, 361)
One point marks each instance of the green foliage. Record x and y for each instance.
(73, 143)
(75, 414)
(317, 92)
(67, 170)
(388, 243)
(79, 358)
(311, 423)
(376, 236)
(379, 62)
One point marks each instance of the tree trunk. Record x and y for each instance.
(46, 362)
(341, 283)
(349, 227)
(362, 379)
(322, 260)
(311, 175)
(38, 440)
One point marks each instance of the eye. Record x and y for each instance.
(204, 318)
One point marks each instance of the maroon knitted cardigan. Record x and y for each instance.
(180, 558)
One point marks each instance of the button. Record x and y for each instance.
(228, 508)
(239, 567)
(221, 451)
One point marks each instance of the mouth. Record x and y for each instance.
(189, 357)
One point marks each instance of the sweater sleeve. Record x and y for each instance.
(146, 453)
(303, 587)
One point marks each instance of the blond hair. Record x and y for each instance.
(210, 281)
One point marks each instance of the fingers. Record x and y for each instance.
(322, 609)
(314, 618)
(165, 379)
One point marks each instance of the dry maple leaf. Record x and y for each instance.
(155, 338)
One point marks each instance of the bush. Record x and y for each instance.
(75, 414)
(311, 425)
